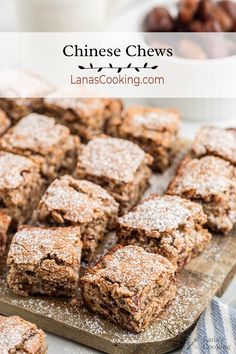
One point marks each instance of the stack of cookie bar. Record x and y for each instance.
(84, 117)
(80, 203)
(166, 225)
(73, 170)
(154, 129)
(208, 176)
(49, 145)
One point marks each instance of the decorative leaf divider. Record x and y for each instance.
(118, 68)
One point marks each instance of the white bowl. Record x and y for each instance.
(207, 110)
(206, 74)
(209, 87)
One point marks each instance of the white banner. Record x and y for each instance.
(122, 64)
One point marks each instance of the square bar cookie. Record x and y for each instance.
(210, 181)
(155, 130)
(129, 287)
(20, 336)
(5, 223)
(167, 225)
(68, 201)
(15, 84)
(85, 117)
(215, 141)
(20, 186)
(49, 144)
(4, 122)
(44, 261)
(118, 165)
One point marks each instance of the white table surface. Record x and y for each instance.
(58, 345)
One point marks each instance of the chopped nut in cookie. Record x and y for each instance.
(210, 181)
(49, 144)
(5, 224)
(68, 201)
(44, 261)
(155, 130)
(20, 336)
(215, 141)
(166, 225)
(129, 287)
(20, 186)
(85, 117)
(119, 166)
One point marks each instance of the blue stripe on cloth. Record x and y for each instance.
(215, 331)
(202, 335)
(198, 336)
(218, 323)
(232, 316)
(188, 346)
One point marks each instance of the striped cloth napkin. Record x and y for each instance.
(215, 332)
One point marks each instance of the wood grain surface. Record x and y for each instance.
(202, 278)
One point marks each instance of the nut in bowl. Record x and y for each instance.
(203, 64)
(205, 86)
(205, 58)
(193, 16)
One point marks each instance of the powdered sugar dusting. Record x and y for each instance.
(31, 245)
(132, 267)
(195, 291)
(12, 168)
(216, 141)
(161, 213)
(113, 158)
(76, 207)
(13, 331)
(83, 107)
(79, 201)
(155, 120)
(37, 133)
(206, 176)
(193, 294)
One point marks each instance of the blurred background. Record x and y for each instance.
(60, 15)
(111, 15)
(7, 16)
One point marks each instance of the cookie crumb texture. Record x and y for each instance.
(44, 261)
(129, 287)
(166, 225)
(216, 141)
(210, 181)
(155, 130)
(86, 117)
(118, 165)
(5, 224)
(19, 336)
(20, 186)
(50, 145)
(4, 122)
(68, 201)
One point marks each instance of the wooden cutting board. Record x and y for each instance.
(204, 276)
